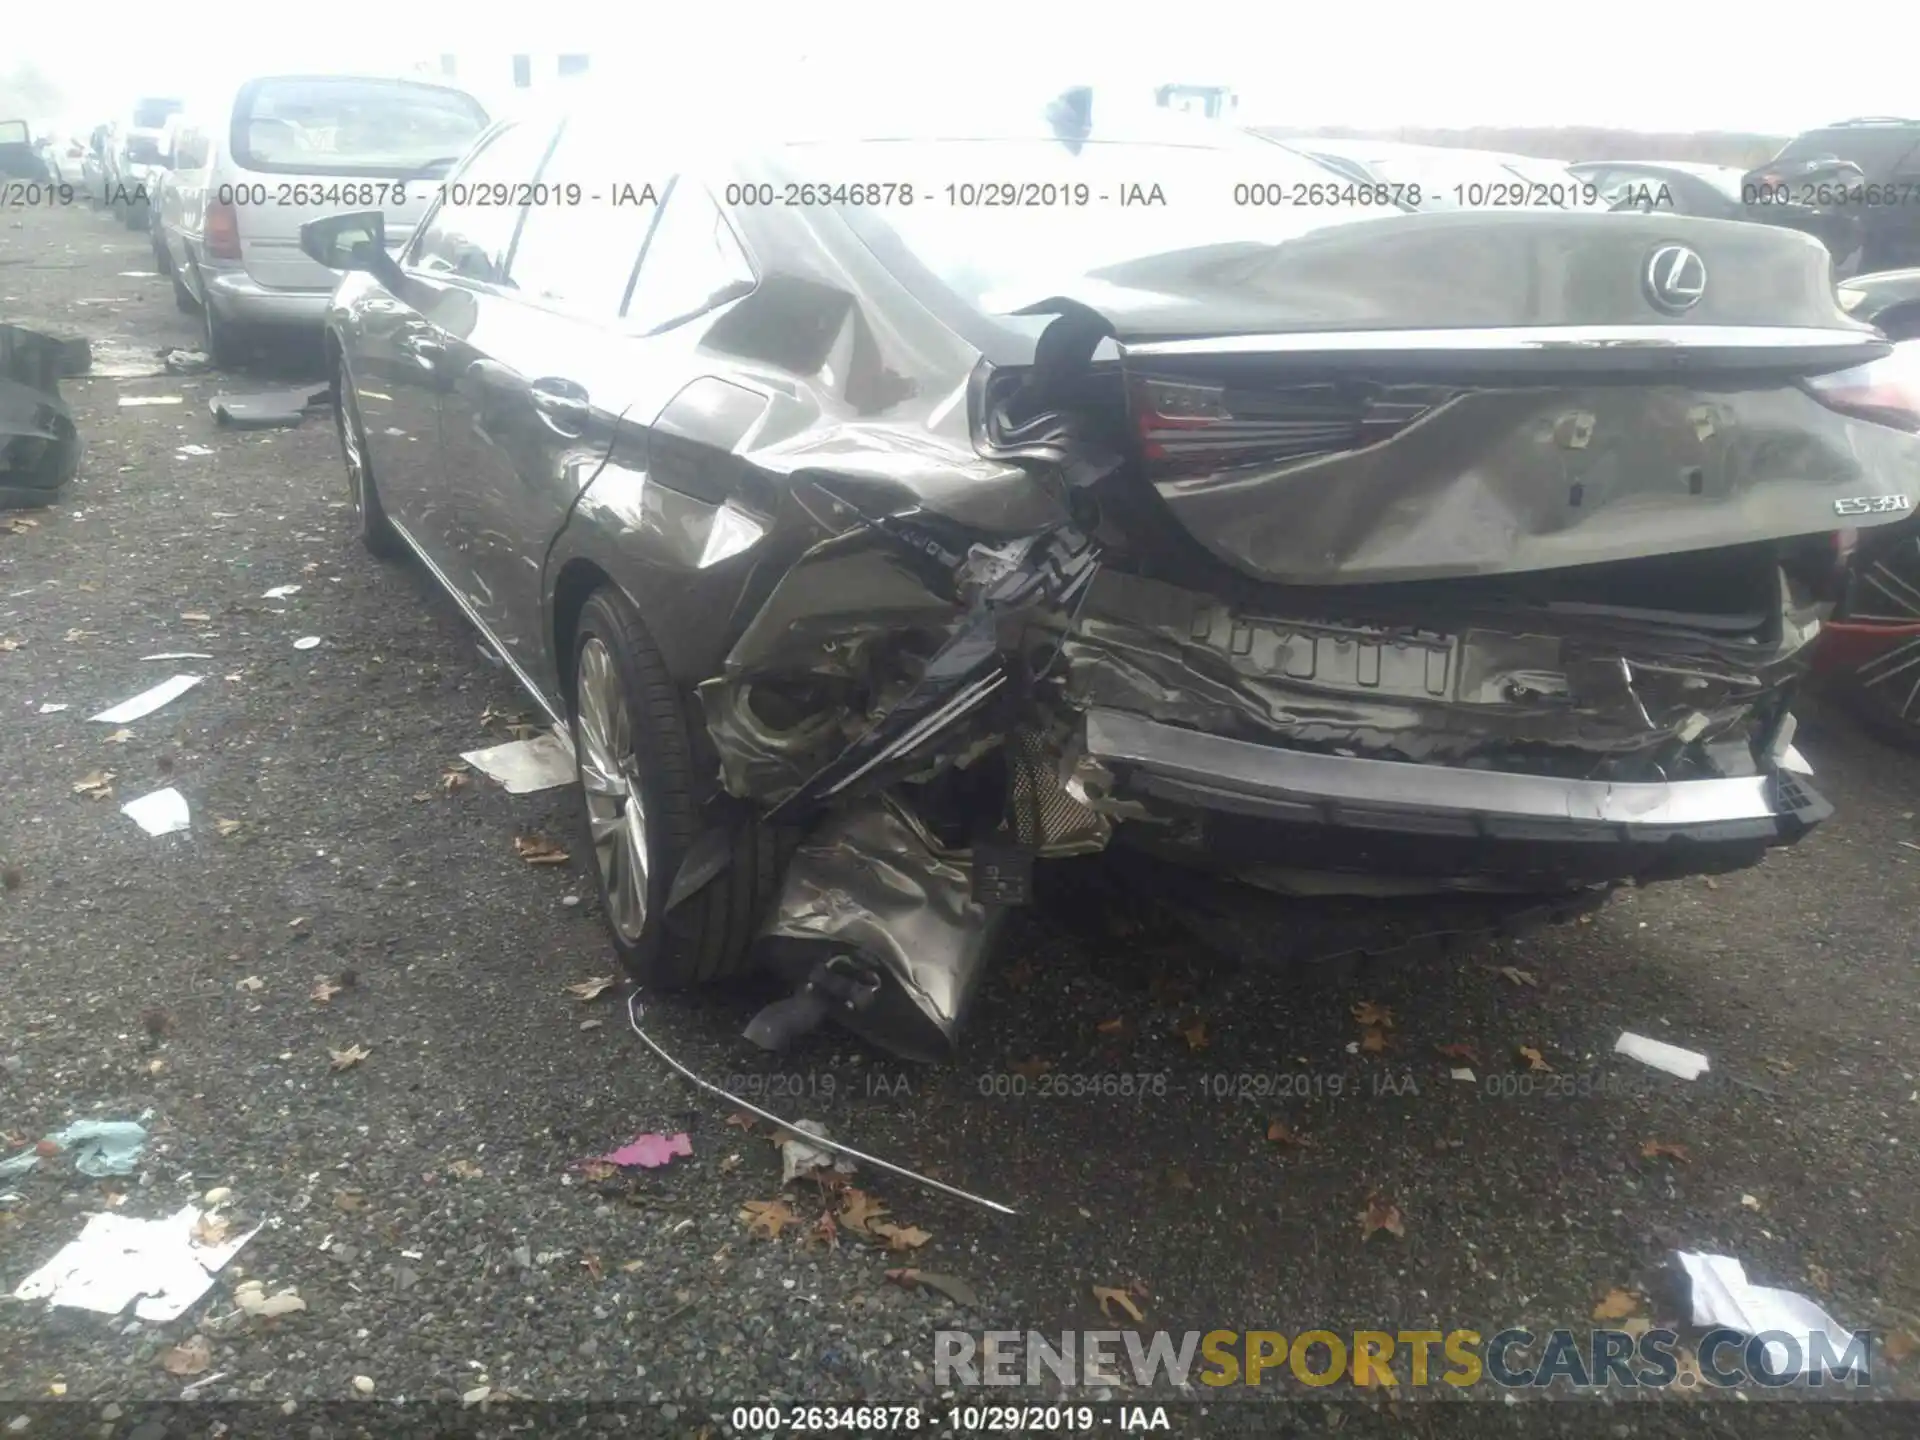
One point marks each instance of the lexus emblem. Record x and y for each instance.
(1675, 278)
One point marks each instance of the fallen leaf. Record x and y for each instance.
(1381, 1214)
(1178, 1178)
(20, 524)
(538, 850)
(1819, 1279)
(346, 1059)
(1194, 1032)
(1111, 1027)
(1617, 1306)
(1752, 1202)
(591, 1264)
(1368, 1013)
(1031, 1069)
(1110, 1297)
(742, 1119)
(767, 1217)
(298, 921)
(194, 615)
(211, 1230)
(1519, 976)
(1654, 1149)
(1779, 1066)
(11, 644)
(1373, 1039)
(729, 1164)
(951, 1286)
(119, 737)
(858, 1210)
(650, 1151)
(597, 1170)
(1534, 1059)
(628, 1267)
(252, 982)
(1898, 1345)
(899, 1237)
(465, 1169)
(589, 989)
(96, 785)
(824, 1232)
(189, 1357)
(226, 827)
(1281, 1133)
(454, 781)
(323, 991)
(349, 1199)
(1464, 1053)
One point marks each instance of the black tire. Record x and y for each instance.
(162, 259)
(183, 300)
(224, 342)
(709, 936)
(369, 515)
(135, 217)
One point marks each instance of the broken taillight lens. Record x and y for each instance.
(1885, 391)
(223, 230)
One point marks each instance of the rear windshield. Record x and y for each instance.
(13, 132)
(1003, 223)
(344, 126)
(1877, 149)
(152, 114)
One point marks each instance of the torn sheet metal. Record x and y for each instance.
(868, 883)
(154, 1265)
(148, 701)
(161, 813)
(523, 767)
(636, 1012)
(39, 443)
(268, 409)
(1723, 1296)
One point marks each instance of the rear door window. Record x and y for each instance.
(343, 125)
(693, 262)
(586, 223)
(470, 232)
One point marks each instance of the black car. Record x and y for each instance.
(1859, 182)
(1674, 186)
(1442, 177)
(886, 511)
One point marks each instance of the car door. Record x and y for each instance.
(543, 379)
(401, 347)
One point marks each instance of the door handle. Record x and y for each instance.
(562, 406)
(427, 352)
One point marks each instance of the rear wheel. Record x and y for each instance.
(225, 341)
(376, 531)
(183, 300)
(1882, 687)
(637, 777)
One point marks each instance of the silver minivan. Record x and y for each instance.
(257, 160)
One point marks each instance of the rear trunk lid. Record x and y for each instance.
(1425, 396)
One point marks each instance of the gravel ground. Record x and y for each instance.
(428, 1205)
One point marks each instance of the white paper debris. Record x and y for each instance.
(148, 701)
(1461, 1072)
(149, 399)
(117, 1260)
(140, 274)
(280, 592)
(161, 813)
(1687, 1064)
(306, 642)
(51, 709)
(1723, 1296)
(798, 1158)
(179, 655)
(1792, 760)
(524, 766)
(194, 450)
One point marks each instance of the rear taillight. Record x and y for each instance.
(1199, 426)
(1886, 391)
(223, 231)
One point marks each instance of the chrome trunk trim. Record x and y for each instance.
(1523, 339)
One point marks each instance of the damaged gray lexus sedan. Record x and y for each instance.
(885, 515)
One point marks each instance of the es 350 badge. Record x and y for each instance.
(1871, 504)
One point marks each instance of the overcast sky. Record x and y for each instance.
(1643, 64)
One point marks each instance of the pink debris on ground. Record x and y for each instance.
(649, 1151)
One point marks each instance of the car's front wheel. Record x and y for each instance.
(369, 515)
(638, 780)
(1880, 677)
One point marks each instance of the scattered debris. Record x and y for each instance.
(148, 701)
(1687, 1064)
(1518, 976)
(176, 655)
(1460, 1052)
(954, 1288)
(323, 991)
(194, 450)
(1654, 1149)
(1194, 1032)
(267, 409)
(160, 813)
(190, 1357)
(524, 766)
(1368, 1013)
(1109, 1296)
(306, 642)
(98, 1147)
(464, 1169)
(131, 400)
(1534, 1059)
(118, 1261)
(1381, 1214)
(184, 362)
(51, 709)
(95, 785)
(1722, 1295)
(649, 1151)
(1461, 1073)
(768, 1217)
(1751, 1202)
(1617, 1305)
(798, 1158)
(280, 592)
(1113, 1026)
(226, 826)
(1373, 1040)
(594, 988)
(39, 444)
(348, 1058)
(538, 850)
(252, 1298)
(1281, 1133)
(251, 983)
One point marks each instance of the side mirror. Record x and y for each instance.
(353, 241)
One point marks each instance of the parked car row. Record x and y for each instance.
(875, 556)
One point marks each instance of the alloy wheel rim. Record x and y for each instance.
(350, 447)
(616, 812)
(1894, 585)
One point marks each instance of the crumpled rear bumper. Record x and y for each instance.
(1276, 804)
